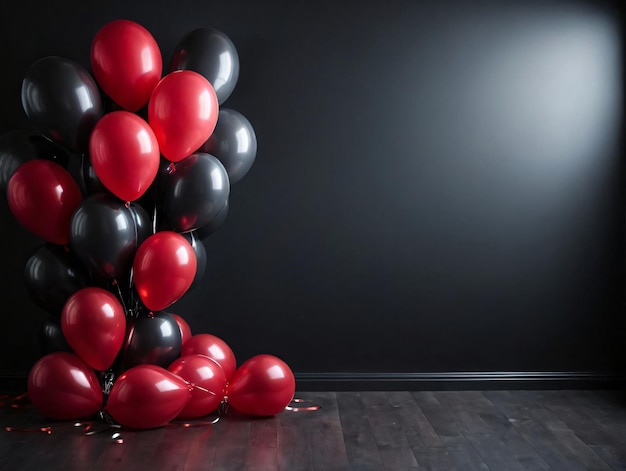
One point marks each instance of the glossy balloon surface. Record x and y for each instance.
(62, 386)
(212, 347)
(183, 112)
(154, 340)
(164, 268)
(212, 54)
(147, 396)
(185, 330)
(62, 100)
(105, 234)
(208, 381)
(233, 142)
(43, 196)
(126, 61)
(94, 324)
(125, 154)
(193, 194)
(203, 232)
(19, 146)
(52, 274)
(51, 337)
(200, 251)
(262, 386)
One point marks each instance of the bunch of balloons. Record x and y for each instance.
(124, 202)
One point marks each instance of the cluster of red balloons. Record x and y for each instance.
(64, 385)
(123, 193)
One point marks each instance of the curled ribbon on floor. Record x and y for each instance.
(15, 402)
(301, 405)
(106, 424)
(47, 429)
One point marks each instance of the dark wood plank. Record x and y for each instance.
(393, 445)
(262, 452)
(326, 434)
(561, 449)
(369, 431)
(507, 450)
(231, 441)
(473, 412)
(461, 454)
(361, 448)
(293, 444)
(201, 451)
(615, 457)
(418, 430)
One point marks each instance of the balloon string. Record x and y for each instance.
(308, 406)
(119, 292)
(90, 428)
(154, 217)
(193, 386)
(217, 415)
(82, 172)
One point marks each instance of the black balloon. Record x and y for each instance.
(19, 146)
(200, 251)
(208, 229)
(233, 142)
(52, 274)
(210, 53)
(105, 234)
(83, 172)
(89, 179)
(51, 338)
(62, 100)
(154, 340)
(193, 194)
(148, 200)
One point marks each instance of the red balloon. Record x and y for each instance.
(183, 112)
(94, 324)
(126, 62)
(185, 330)
(212, 347)
(43, 196)
(125, 154)
(164, 268)
(206, 373)
(264, 385)
(62, 386)
(147, 396)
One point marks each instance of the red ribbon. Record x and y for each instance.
(306, 406)
(15, 402)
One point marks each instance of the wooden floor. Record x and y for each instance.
(491, 430)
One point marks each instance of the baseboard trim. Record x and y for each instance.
(438, 381)
(474, 380)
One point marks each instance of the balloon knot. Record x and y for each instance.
(171, 168)
(127, 204)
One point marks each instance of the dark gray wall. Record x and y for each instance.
(438, 185)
